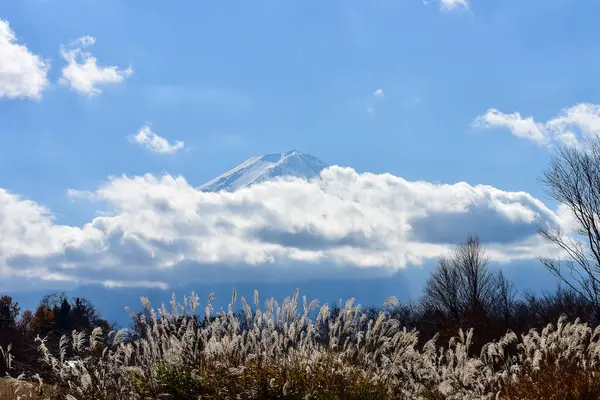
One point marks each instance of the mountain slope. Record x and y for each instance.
(264, 168)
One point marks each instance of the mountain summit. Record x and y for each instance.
(264, 168)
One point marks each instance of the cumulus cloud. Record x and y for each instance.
(571, 127)
(525, 128)
(155, 143)
(22, 73)
(160, 230)
(82, 72)
(378, 93)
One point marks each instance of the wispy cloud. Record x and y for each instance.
(22, 73)
(162, 228)
(157, 144)
(377, 96)
(83, 74)
(450, 5)
(572, 127)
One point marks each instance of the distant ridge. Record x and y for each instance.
(266, 167)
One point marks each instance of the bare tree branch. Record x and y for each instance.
(463, 282)
(573, 179)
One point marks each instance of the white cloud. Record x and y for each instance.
(83, 74)
(160, 230)
(523, 127)
(22, 73)
(572, 127)
(450, 5)
(373, 103)
(157, 144)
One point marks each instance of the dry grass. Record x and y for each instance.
(9, 391)
(6, 390)
(297, 350)
(21, 389)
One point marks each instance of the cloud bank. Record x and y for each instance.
(22, 73)
(155, 143)
(159, 230)
(82, 72)
(571, 127)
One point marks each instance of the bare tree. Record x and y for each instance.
(442, 290)
(478, 286)
(506, 298)
(463, 282)
(573, 179)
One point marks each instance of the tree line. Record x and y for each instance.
(55, 315)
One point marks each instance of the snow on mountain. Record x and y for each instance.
(264, 168)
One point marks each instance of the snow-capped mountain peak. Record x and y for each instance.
(264, 168)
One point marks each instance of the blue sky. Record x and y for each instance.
(231, 81)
